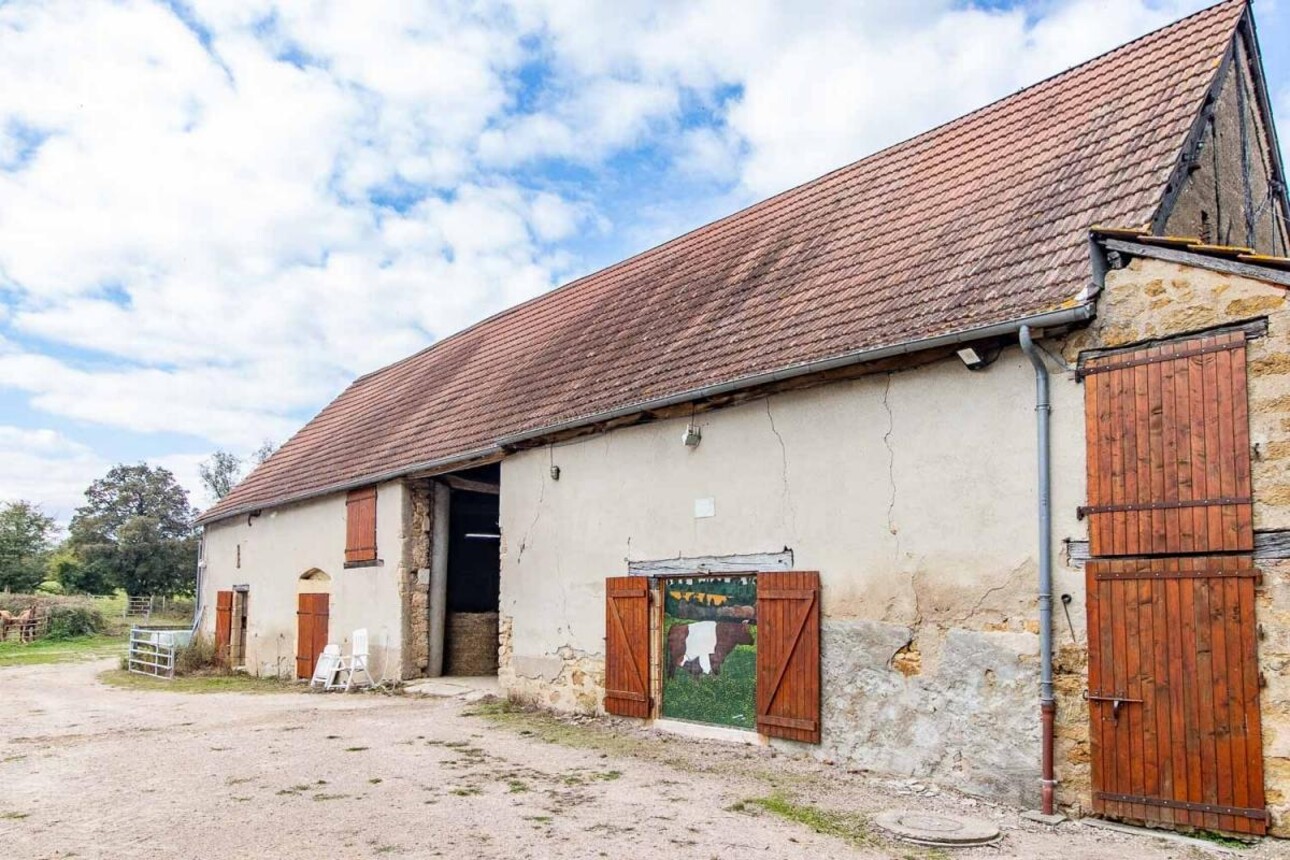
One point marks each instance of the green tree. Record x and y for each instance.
(66, 566)
(135, 532)
(25, 537)
(264, 452)
(219, 473)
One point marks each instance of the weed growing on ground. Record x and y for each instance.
(850, 826)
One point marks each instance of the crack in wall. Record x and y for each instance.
(537, 514)
(891, 466)
(783, 454)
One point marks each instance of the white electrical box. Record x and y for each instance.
(705, 508)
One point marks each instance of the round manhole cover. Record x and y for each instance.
(933, 828)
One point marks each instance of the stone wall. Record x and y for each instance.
(568, 680)
(1151, 299)
(415, 581)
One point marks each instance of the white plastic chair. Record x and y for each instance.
(326, 668)
(356, 662)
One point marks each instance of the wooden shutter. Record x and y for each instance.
(1167, 431)
(788, 655)
(1174, 720)
(223, 625)
(627, 646)
(360, 525)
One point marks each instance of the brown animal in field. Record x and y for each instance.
(26, 622)
(7, 620)
(703, 646)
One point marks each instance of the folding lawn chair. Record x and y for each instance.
(326, 668)
(355, 663)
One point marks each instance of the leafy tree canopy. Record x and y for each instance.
(135, 532)
(127, 492)
(219, 473)
(26, 535)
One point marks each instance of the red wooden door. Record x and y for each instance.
(223, 625)
(788, 655)
(1167, 431)
(311, 631)
(1174, 692)
(627, 646)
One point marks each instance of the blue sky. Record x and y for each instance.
(215, 213)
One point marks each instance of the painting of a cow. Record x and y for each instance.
(702, 646)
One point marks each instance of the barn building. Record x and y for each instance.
(781, 478)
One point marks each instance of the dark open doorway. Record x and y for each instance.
(474, 573)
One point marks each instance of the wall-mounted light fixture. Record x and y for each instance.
(555, 473)
(978, 356)
(692, 437)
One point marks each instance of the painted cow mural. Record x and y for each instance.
(711, 624)
(702, 646)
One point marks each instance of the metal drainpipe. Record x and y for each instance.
(1047, 704)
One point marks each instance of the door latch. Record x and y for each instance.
(1116, 703)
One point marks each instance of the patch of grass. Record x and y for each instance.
(376, 780)
(330, 796)
(517, 786)
(357, 749)
(467, 790)
(1220, 839)
(610, 775)
(850, 826)
(727, 699)
(76, 648)
(197, 683)
(13, 816)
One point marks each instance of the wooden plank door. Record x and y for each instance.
(1168, 449)
(1175, 733)
(311, 631)
(788, 655)
(223, 626)
(627, 646)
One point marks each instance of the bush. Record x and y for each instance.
(68, 621)
(197, 656)
(50, 586)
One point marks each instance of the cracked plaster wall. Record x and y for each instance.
(912, 494)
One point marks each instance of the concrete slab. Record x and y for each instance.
(468, 688)
(1039, 818)
(1163, 835)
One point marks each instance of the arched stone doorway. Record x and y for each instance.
(313, 609)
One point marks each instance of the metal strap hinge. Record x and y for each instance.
(1085, 510)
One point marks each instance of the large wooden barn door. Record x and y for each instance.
(311, 631)
(1174, 692)
(223, 626)
(1173, 671)
(627, 646)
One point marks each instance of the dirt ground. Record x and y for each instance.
(92, 771)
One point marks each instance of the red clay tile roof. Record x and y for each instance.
(980, 221)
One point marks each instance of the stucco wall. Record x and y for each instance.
(1151, 299)
(281, 545)
(913, 495)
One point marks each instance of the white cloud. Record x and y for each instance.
(209, 228)
(44, 466)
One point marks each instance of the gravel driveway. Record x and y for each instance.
(92, 771)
